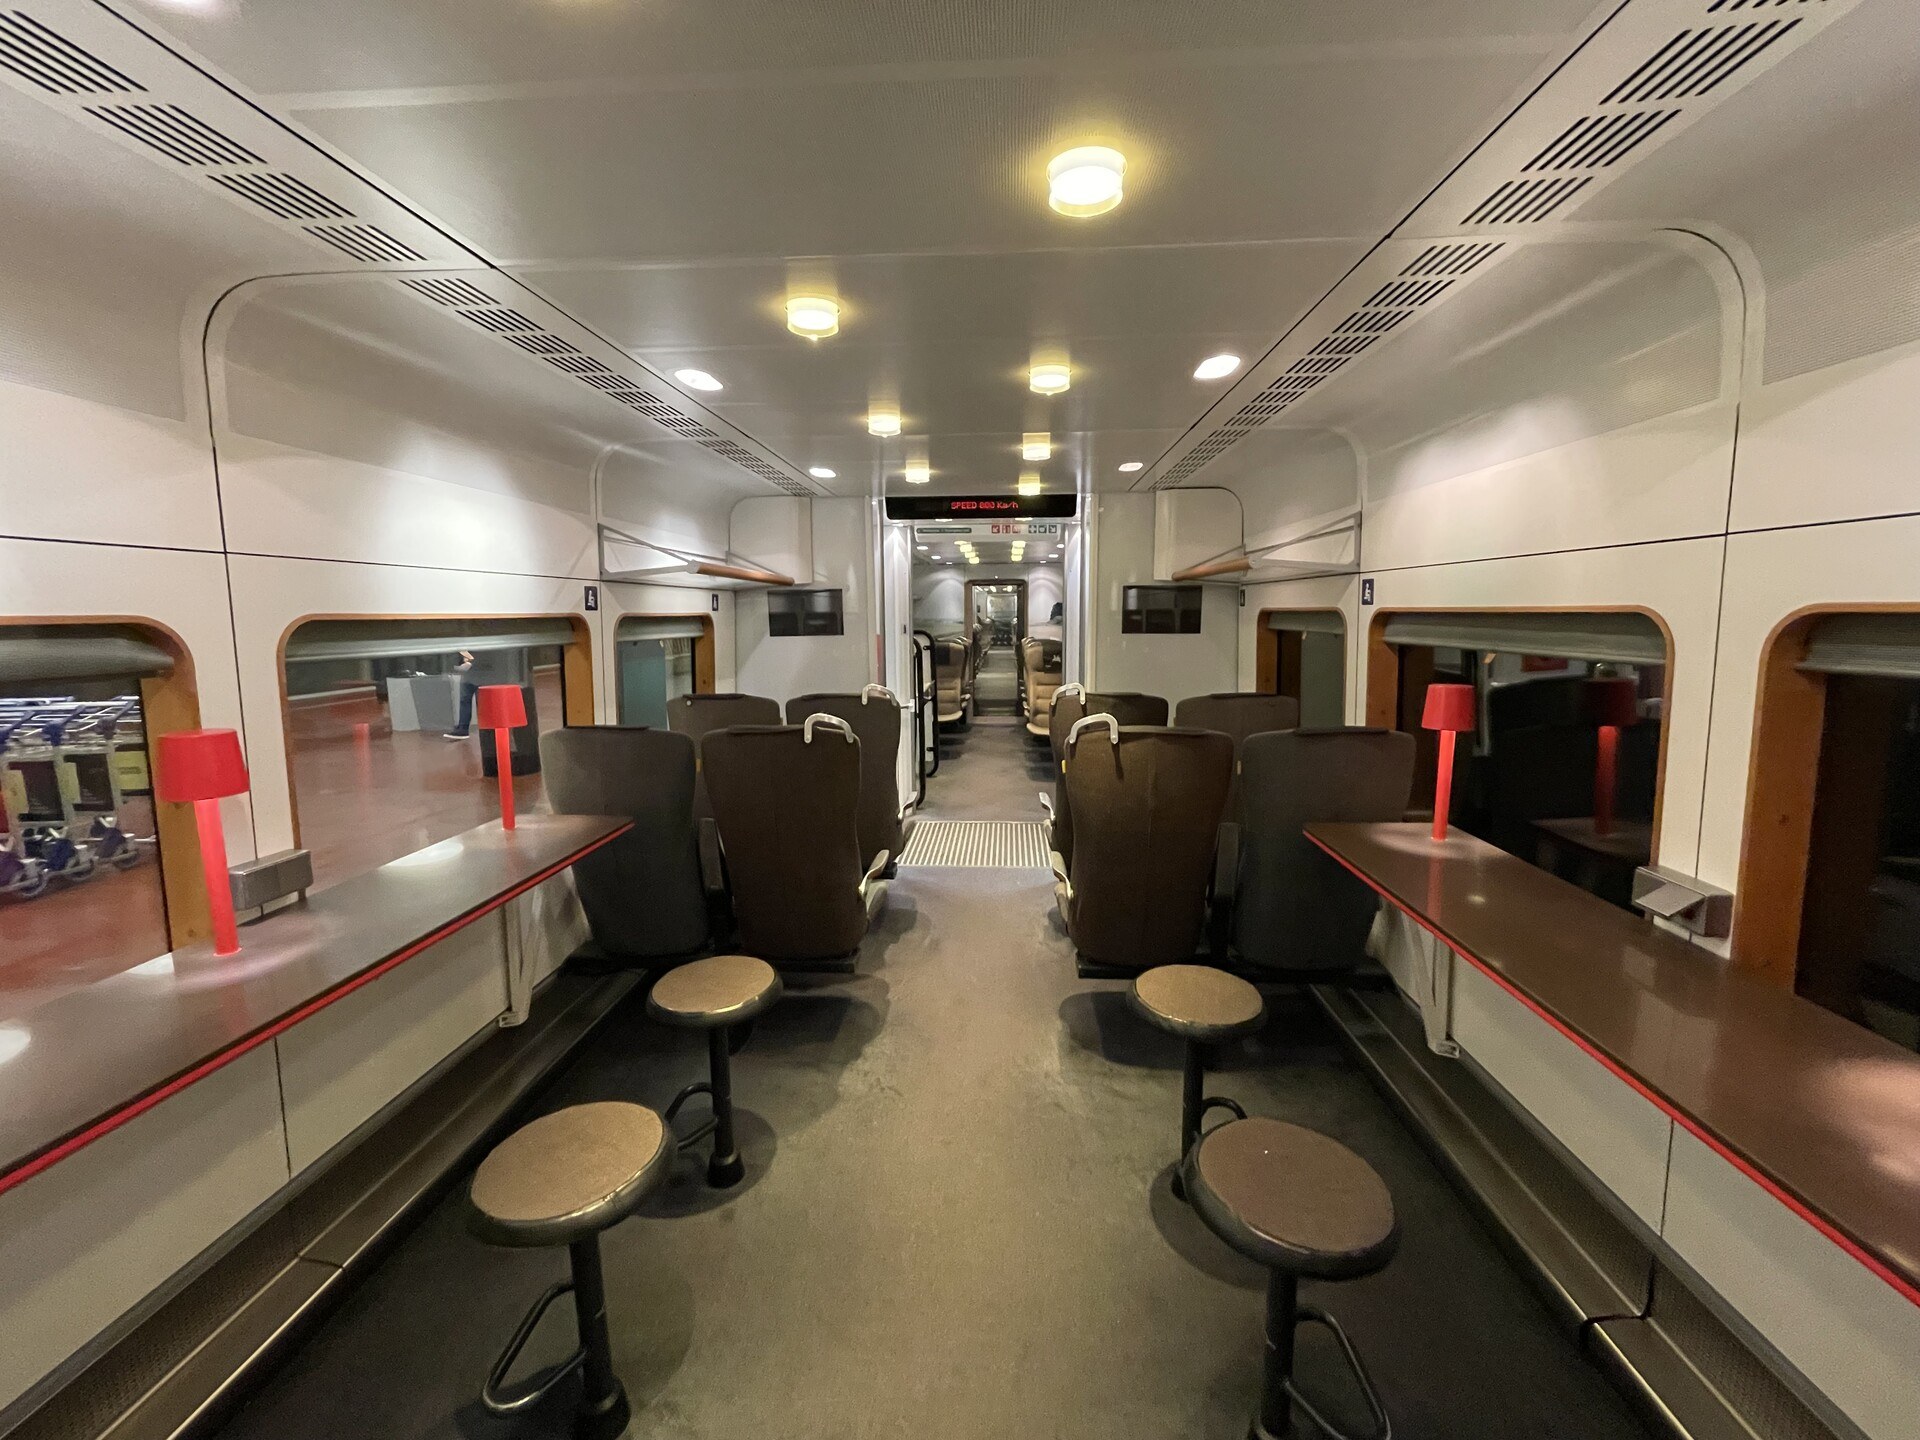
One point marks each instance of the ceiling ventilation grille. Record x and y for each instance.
(1594, 142)
(283, 196)
(1693, 62)
(1424, 279)
(364, 242)
(472, 303)
(1526, 202)
(49, 60)
(175, 133)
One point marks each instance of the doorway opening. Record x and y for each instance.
(996, 624)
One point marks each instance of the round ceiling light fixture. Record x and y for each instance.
(1049, 379)
(1029, 484)
(698, 380)
(883, 422)
(1216, 367)
(814, 316)
(918, 472)
(822, 472)
(1086, 180)
(1036, 446)
(1129, 467)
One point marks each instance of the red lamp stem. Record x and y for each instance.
(1443, 785)
(1603, 772)
(213, 862)
(503, 767)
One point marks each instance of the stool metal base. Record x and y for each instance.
(603, 1409)
(725, 1167)
(1281, 1394)
(1194, 1104)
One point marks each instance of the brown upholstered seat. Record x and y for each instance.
(1238, 714)
(1198, 1002)
(787, 799)
(874, 715)
(952, 660)
(697, 716)
(1128, 707)
(571, 1174)
(1146, 806)
(720, 990)
(1293, 1199)
(1294, 908)
(1040, 668)
(642, 893)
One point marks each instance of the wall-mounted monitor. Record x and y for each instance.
(982, 507)
(805, 612)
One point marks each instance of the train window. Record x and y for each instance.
(1855, 840)
(1564, 769)
(1303, 653)
(1160, 609)
(657, 659)
(82, 893)
(805, 612)
(382, 750)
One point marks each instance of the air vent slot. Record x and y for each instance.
(1732, 5)
(1594, 142)
(1376, 322)
(1343, 344)
(1406, 293)
(283, 195)
(1451, 259)
(574, 364)
(176, 134)
(501, 322)
(45, 58)
(363, 242)
(1526, 202)
(679, 422)
(540, 343)
(1693, 62)
(608, 382)
(453, 292)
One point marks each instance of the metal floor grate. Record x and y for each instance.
(978, 844)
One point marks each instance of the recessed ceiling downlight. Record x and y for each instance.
(1086, 180)
(1029, 484)
(814, 316)
(1128, 467)
(883, 422)
(698, 380)
(1216, 367)
(1049, 379)
(917, 473)
(1036, 446)
(821, 472)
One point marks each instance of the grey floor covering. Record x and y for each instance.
(956, 1224)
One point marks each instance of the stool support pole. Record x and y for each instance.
(1276, 1406)
(726, 1167)
(603, 1410)
(1193, 1105)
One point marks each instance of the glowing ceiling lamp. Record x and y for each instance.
(1128, 467)
(883, 422)
(1029, 484)
(813, 316)
(1216, 367)
(1049, 379)
(1086, 180)
(1036, 446)
(822, 472)
(917, 472)
(698, 380)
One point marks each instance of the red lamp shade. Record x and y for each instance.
(1449, 707)
(502, 707)
(1612, 701)
(200, 765)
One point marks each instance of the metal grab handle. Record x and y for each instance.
(1086, 721)
(880, 690)
(1072, 687)
(831, 722)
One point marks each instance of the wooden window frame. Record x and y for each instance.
(168, 703)
(1269, 643)
(576, 675)
(1783, 776)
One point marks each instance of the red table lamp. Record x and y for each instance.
(1449, 710)
(198, 767)
(1612, 704)
(503, 708)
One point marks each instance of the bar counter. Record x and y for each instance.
(1823, 1113)
(84, 1063)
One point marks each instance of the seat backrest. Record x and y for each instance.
(1238, 714)
(642, 892)
(1146, 808)
(1295, 907)
(874, 715)
(789, 815)
(949, 662)
(697, 716)
(1129, 707)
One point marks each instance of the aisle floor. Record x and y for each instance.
(956, 1224)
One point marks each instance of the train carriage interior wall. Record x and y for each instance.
(960, 719)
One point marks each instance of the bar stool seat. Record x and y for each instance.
(1301, 1204)
(1204, 1007)
(721, 995)
(561, 1180)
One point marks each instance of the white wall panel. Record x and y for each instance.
(1618, 1135)
(1850, 1333)
(340, 1066)
(1174, 666)
(84, 1242)
(1679, 582)
(782, 666)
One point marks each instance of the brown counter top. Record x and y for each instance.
(86, 1062)
(1823, 1113)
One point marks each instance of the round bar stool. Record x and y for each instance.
(561, 1180)
(1204, 1007)
(1299, 1203)
(721, 995)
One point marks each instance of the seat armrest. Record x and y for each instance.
(1226, 862)
(713, 866)
(875, 870)
(1046, 804)
(1058, 865)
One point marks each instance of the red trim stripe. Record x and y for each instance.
(1673, 1112)
(79, 1140)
